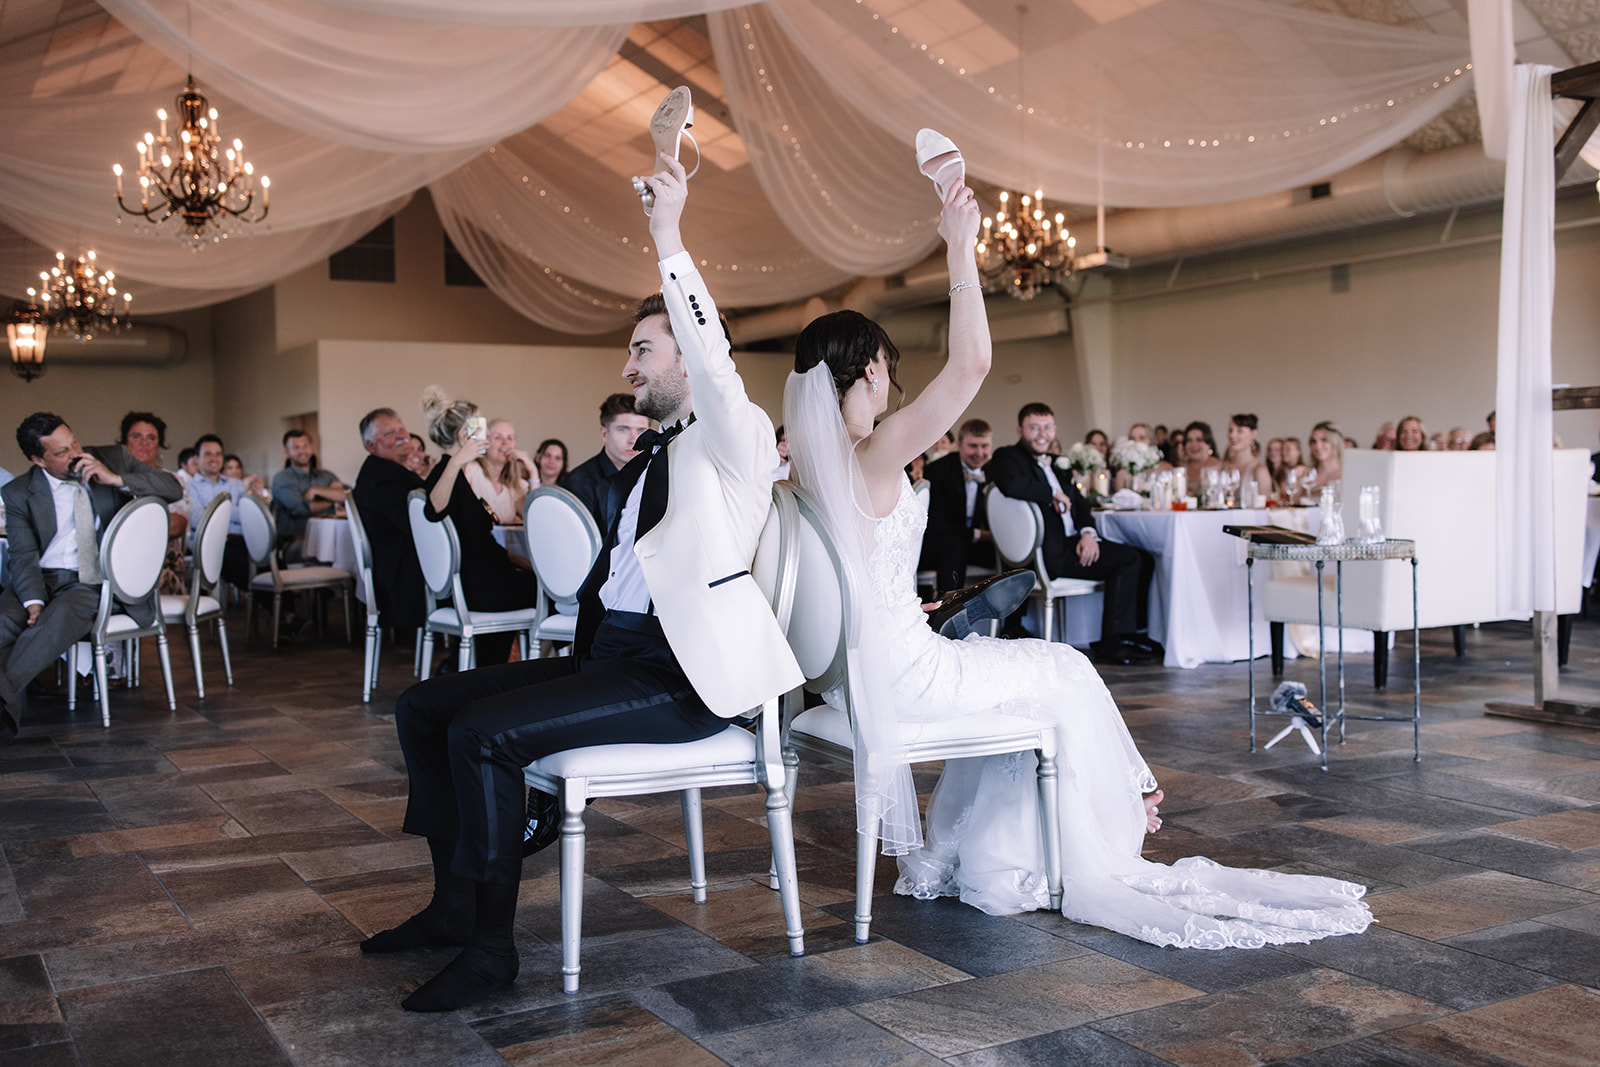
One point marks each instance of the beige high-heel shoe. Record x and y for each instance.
(668, 127)
(940, 160)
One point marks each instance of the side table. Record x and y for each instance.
(1339, 555)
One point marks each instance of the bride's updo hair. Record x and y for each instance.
(444, 417)
(846, 341)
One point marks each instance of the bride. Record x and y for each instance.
(983, 840)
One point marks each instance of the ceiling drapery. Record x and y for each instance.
(526, 117)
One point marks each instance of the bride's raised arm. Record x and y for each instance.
(913, 429)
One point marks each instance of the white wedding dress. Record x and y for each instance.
(983, 837)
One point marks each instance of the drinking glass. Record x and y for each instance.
(1370, 504)
(1332, 532)
(1291, 488)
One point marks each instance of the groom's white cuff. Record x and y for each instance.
(675, 265)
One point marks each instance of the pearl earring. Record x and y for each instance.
(874, 383)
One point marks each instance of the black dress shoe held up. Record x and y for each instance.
(544, 822)
(993, 598)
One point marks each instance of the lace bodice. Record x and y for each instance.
(896, 546)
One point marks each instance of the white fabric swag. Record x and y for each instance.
(351, 105)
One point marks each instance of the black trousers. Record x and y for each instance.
(466, 737)
(949, 558)
(1126, 572)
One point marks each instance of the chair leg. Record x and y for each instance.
(102, 683)
(791, 785)
(72, 676)
(780, 826)
(1460, 635)
(416, 656)
(349, 634)
(1380, 659)
(1277, 649)
(1049, 625)
(369, 663)
(572, 844)
(222, 639)
(866, 877)
(130, 653)
(249, 615)
(467, 651)
(277, 611)
(694, 834)
(425, 655)
(1050, 822)
(166, 669)
(194, 654)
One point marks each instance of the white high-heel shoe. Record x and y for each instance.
(940, 160)
(668, 127)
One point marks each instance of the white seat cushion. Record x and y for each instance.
(1073, 587)
(120, 624)
(559, 628)
(732, 746)
(833, 725)
(513, 619)
(294, 576)
(172, 606)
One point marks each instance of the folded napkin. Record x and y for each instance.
(1126, 500)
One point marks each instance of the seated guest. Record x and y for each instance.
(1410, 436)
(958, 528)
(1242, 453)
(380, 493)
(1384, 440)
(1286, 483)
(1096, 439)
(1199, 453)
(301, 492)
(188, 466)
(1072, 547)
(54, 586)
(591, 480)
(1274, 458)
(551, 462)
(417, 460)
(489, 578)
(781, 471)
(1483, 442)
(945, 446)
(144, 435)
(233, 467)
(1457, 440)
(916, 468)
(203, 488)
(500, 476)
(1140, 432)
(1327, 457)
(1158, 435)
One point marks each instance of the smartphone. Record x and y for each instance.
(477, 427)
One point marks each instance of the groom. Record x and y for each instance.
(674, 636)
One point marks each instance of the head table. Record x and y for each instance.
(1198, 600)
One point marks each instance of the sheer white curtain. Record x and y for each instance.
(535, 12)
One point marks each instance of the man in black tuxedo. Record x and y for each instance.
(590, 481)
(56, 515)
(1072, 547)
(380, 492)
(958, 528)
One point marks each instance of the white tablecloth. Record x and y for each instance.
(330, 540)
(1198, 599)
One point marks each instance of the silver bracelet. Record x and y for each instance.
(958, 286)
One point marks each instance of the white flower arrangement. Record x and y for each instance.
(1082, 457)
(1134, 456)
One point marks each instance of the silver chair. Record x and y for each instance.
(736, 756)
(260, 540)
(563, 543)
(203, 602)
(131, 554)
(369, 590)
(824, 602)
(1018, 529)
(439, 552)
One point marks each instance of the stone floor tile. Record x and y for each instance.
(1564, 954)
(1557, 1027)
(1474, 902)
(611, 1032)
(1079, 1045)
(961, 936)
(191, 1017)
(824, 1038)
(1571, 830)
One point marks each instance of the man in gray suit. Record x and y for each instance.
(55, 579)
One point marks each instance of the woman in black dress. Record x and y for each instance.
(489, 578)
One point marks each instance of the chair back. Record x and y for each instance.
(1017, 526)
(210, 538)
(358, 534)
(260, 532)
(133, 549)
(819, 615)
(563, 542)
(439, 552)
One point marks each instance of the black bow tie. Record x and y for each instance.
(650, 439)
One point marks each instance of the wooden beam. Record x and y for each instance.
(1575, 398)
(1580, 83)
(1577, 135)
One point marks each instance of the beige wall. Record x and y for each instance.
(93, 397)
(259, 387)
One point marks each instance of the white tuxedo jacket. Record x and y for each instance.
(697, 559)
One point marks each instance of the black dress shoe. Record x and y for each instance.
(993, 598)
(544, 822)
(1145, 644)
(1113, 654)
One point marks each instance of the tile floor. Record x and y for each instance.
(189, 888)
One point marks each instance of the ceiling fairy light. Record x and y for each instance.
(81, 300)
(191, 186)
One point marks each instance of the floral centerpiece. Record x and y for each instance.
(1082, 457)
(1134, 457)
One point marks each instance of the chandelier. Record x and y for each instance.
(81, 300)
(194, 178)
(26, 332)
(1023, 249)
